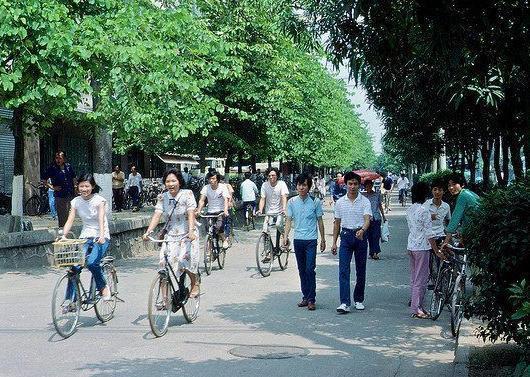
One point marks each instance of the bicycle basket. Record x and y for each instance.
(68, 253)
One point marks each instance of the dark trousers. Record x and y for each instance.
(63, 207)
(374, 237)
(351, 246)
(134, 192)
(118, 198)
(306, 254)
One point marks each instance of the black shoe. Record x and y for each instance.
(430, 287)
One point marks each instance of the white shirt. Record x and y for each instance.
(216, 198)
(134, 180)
(402, 183)
(443, 213)
(88, 212)
(351, 212)
(420, 228)
(185, 202)
(273, 196)
(249, 190)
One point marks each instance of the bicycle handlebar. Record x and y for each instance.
(211, 216)
(151, 239)
(271, 214)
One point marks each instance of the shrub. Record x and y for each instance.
(442, 175)
(498, 239)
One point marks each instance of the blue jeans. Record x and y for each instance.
(134, 192)
(92, 261)
(51, 203)
(351, 246)
(306, 254)
(374, 236)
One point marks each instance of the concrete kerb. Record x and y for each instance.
(466, 341)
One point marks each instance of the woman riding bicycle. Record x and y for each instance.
(179, 206)
(91, 208)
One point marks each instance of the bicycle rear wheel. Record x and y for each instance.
(457, 305)
(190, 309)
(159, 304)
(221, 258)
(439, 293)
(66, 306)
(208, 255)
(264, 254)
(283, 255)
(32, 206)
(105, 309)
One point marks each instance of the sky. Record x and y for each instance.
(368, 114)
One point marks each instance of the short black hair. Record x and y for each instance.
(177, 174)
(274, 170)
(214, 173)
(438, 183)
(248, 175)
(305, 178)
(352, 175)
(419, 192)
(89, 177)
(457, 178)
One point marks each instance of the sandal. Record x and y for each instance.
(420, 316)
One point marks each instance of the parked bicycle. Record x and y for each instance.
(70, 296)
(170, 291)
(37, 204)
(266, 251)
(213, 246)
(449, 289)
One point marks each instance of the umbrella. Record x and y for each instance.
(367, 174)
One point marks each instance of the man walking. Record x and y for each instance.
(339, 188)
(352, 219)
(134, 184)
(305, 212)
(62, 177)
(118, 183)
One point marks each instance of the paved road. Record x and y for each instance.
(238, 309)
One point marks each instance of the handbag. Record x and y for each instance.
(385, 232)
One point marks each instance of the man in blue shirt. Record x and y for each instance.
(305, 213)
(62, 177)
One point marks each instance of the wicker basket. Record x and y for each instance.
(69, 253)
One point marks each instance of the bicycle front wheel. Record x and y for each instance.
(190, 309)
(283, 256)
(105, 308)
(221, 258)
(32, 206)
(457, 305)
(439, 293)
(208, 255)
(66, 305)
(264, 254)
(159, 305)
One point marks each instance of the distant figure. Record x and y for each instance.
(62, 177)
(118, 184)
(186, 176)
(134, 186)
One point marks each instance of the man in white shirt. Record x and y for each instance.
(273, 198)
(353, 212)
(248, 190)
(217, 195)
(134, 187)
(403, 186)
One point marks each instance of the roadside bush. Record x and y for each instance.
(442, 175)
(498, 239)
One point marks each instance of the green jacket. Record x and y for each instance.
(466, 201)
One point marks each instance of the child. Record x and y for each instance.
(420, 242)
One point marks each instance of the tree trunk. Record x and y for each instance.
(202, 160)
(462, 160)
(269, 161)
(240, 162)
(472, 162)
(485, 153)
(515, 153)
(526, 151)
(505, 161)
(253, 163)
(229, 161)
(497, 161)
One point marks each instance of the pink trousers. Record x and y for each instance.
(419, 277)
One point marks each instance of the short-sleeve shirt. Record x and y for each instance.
(420, 228)
(88, 212)
(403, 183)
(273, 196)
(118, 180)
(375, 202)
(63, 178)
(351, 212)
(305, 214)
(183, 202)
(248, 190)
(135, 180)
(443, 213)
(216, 198)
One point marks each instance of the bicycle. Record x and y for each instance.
(37, 204)
(266, 251)
(403, 197)
(386, 200)
(177, 286)
(213, 249)
(249, 217)
(70, 296)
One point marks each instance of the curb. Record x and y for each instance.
(466, 341)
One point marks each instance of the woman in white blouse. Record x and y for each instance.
(420, 242)
(179, 206)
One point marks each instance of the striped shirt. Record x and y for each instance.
(352, 212)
